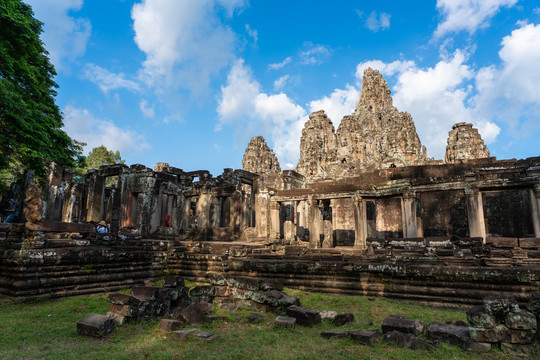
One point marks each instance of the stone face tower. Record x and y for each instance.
(259, 158)
(318, 147)
(377, 135)
(464, 142)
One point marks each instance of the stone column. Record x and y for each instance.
(236, 211)
(328, 227)
(360, 222)
(535, 209)
(274, 220)
(409, 209)
(262, 213)
(95, 185)
(475, 213)
(217, 203)
(203, 209)
(186, 218)
(54, 192)
(288, 224)
(314, 223)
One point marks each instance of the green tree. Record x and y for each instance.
(30, 122)
(102, 156)
(97, 157)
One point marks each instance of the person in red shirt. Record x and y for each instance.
(167, 221)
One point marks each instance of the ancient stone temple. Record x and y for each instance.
(365, 213)
(464, 143)
(375, 136)
(259, 158)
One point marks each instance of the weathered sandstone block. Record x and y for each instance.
(304, 316)
(401, 324)
(95, 325)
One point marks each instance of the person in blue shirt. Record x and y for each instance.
(102, 228)
(12, 211)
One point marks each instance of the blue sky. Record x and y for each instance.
(190, 82)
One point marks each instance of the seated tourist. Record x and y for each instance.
(12, 211)
(101, 228)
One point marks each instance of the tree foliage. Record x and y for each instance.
(97, 157)
(102, 156)
(30, 122)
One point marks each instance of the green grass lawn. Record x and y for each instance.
(47, 330)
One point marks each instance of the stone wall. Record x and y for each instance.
(444, 213)
(508, 213)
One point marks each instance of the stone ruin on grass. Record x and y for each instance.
(500, 322)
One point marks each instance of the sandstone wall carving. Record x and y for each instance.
(464, 142)
(259, 158)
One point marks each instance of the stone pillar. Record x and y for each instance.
(535, 209)
(236, 211)
(328, 227)
(475, 213)
(217, 203)
(274, 220)
(314, 223)
(95, 185)
(186, 217)
(409, 209)
(262, 213)
(360, 222)
(54, 193)
(288, 224)
(203, 209)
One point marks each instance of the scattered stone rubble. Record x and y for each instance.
(464, 143)
(498, 322)
(501, 322)
(259, 158)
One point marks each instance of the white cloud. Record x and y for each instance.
(315, 54)
(245, 107)
(467, 15)
(376, 22)
(252, 33)
(277, 66)
(65, 36)
(388, 69)
(510, 93)
(340, 103)
(81, 125)
(107, 80)
(279, 83)
(184, 41)
(147, 111)
(436, 98)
